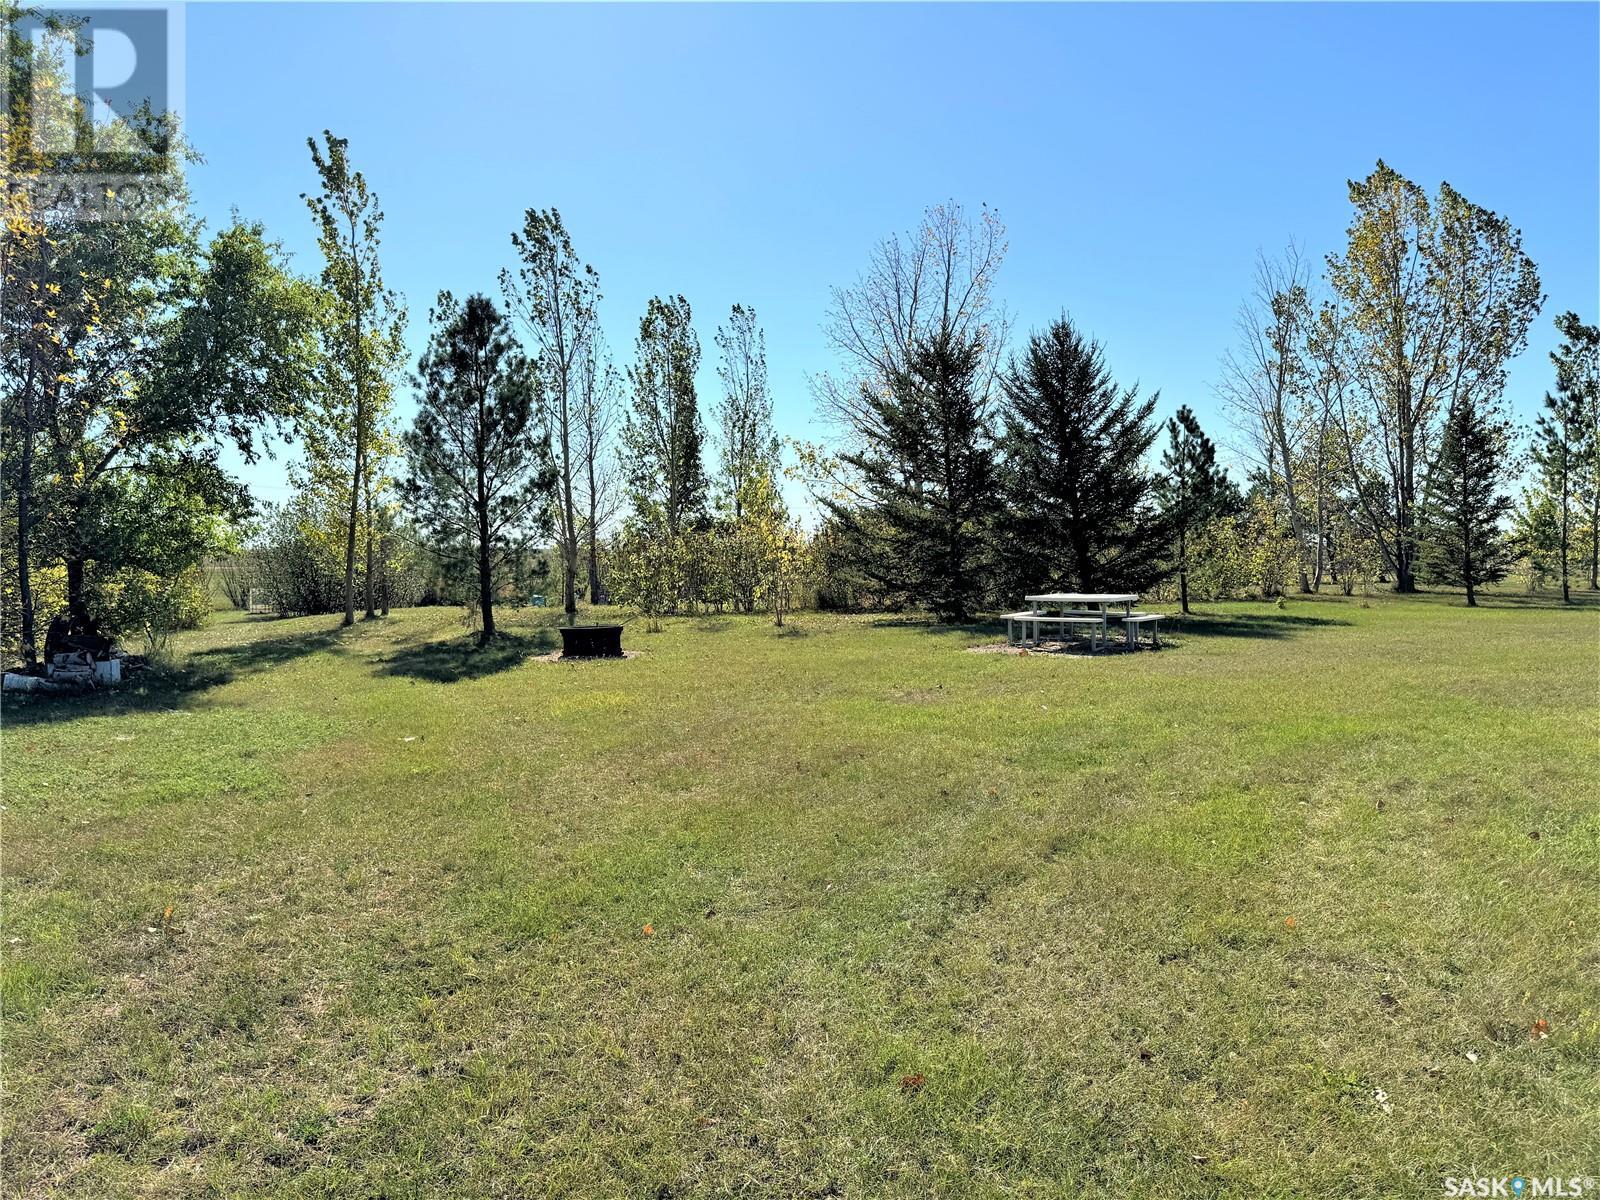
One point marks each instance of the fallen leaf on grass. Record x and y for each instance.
(1471, 1056)
(649, 931)
(1388, 1001)
(1288, 922)
(1146, 1054)
(912, 1083)
(1382, 1097)
(1534, 834)
(1540, 1030)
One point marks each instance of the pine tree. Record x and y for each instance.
(1577, 362)
(1560, 439)
(928, 477)
(1079, 503)
(482, 479)
(1462, 540)
(1193, 489)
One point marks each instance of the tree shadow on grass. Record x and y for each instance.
(1550, 601)
(929, 624)
(158, 688)
(462, 658)
(1247, 625)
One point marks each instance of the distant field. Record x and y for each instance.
(839, 910)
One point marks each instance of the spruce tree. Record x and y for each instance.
(1462, 540)
(1079, 504)
(927, 478)
(1192, 490)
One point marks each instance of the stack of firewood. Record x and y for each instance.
(72, 666)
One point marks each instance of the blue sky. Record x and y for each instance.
(1140, 154)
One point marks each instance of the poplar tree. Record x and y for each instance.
(1432, 298)
(362, 341)
(599, 389)
(744, 417)
(555, 296)
(747, 444)
(662, 433)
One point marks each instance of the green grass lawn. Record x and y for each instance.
(839, 910)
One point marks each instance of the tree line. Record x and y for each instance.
(965, 469)
(1370, 405)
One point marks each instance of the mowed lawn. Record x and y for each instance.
(841, 910)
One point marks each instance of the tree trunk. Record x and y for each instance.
(485, 563)
(1183, 570)
(26, 635)
(76, 604)
(485, 578)
(361, 419)
(1404, 511)
(350, 534)
(595, 595)
(1594, 539)
(371, 581)
(1566, 524)
(384, 551)
(594, 550)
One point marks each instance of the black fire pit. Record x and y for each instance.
(591, 641)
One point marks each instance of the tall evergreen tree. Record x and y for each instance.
(1080, 506)
(1192, 489)
(928, 477)
(481, 477)
(1577, 362)
(1462, 539)
(1560, 440)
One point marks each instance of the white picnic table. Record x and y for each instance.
(1084, 607)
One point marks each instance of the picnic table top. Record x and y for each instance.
(1083, 598)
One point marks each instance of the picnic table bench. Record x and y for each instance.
(1034, 620)
(1134, 620)
(1077, 609)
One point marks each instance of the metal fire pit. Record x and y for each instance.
(591, 641)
